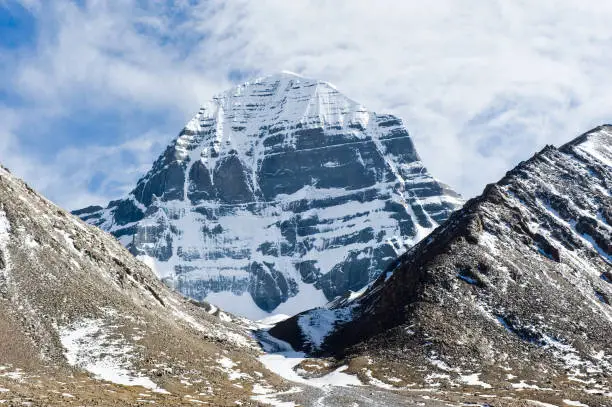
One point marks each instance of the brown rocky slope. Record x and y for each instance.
(83, 322)
(512, 295)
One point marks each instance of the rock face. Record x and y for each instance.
(83, 321)
(280, 194)
(514, 290)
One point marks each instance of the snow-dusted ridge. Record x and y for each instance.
(280, 194)
(81, 318)
(518, 280)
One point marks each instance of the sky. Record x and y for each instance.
(92, 91)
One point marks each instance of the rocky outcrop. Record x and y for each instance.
(280, 194)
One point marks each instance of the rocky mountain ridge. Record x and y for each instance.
(511, 294)
(279, 195)
(82, 321)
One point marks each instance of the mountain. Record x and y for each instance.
(512, 294)
(83, 322)
(279, 195)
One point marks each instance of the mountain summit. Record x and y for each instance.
(279, 195)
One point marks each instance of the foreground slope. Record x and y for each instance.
(279, 195)
(82, 321)
(513, 292)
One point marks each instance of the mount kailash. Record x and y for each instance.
(279, 195)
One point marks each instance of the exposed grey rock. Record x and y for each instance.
(280, 188)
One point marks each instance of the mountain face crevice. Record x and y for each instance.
(282, 192)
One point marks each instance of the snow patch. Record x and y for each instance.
(90, 346)
(317, 324)
(228, 366)
(270, 321)
(267, 395)
(283, 364)
(5, 236)
(574, 403)
(474, 380)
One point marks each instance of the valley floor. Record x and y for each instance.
(322, 383)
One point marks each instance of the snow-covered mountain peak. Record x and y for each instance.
(270, 102)
(596, 144)
(281, 187)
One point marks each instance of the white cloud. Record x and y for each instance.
(65, 177)
(481, 84)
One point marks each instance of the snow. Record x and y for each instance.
(234, 121)
(5, 237)
(474, 380)
(270, 321)
(267, 395)
(598, 249)
(91, 346)
(317, 324)
(283, 364)
(148, 261)
(353, 295)
(378, 383)
(228, 366)
(574, 403)
(244, 305)
(16, 375)
(489, 241)
(5, 229)
(224, 317)
(522, 385)
(598, 147)
(215, 331)
(226, 363)
(541, 404)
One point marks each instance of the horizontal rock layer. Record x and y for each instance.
(280, 194)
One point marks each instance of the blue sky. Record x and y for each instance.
(92, 91)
